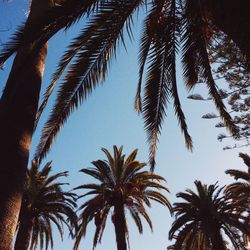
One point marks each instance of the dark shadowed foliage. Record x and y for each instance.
(208, 220)
(44, 204)
(240, 190)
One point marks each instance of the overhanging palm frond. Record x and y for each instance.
(195, 44)
(48, 24)
(173, 49)
(159, 45)
(156, 88)
(78, 43)
(90, 66)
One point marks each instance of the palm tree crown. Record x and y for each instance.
(122, 184)
(169, 26)
(44, 203)
(203, 218)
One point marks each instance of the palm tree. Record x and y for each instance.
(18, 106)
(165, 23)
(240, 190)
(44, 203)
(205, 217)
(122, 186)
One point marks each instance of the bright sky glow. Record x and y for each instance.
(108, 118)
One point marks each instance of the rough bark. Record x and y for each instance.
(120, 226)
(233, 18)
(24, 234)
(18, 106)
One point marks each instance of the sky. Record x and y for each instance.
(108, 118)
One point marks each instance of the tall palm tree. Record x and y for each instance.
(240, 190)
(205, 217)
(44, 203)
(18, 106)
(123, 185)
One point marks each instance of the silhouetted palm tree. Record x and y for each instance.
(240, 190)
(206, 217)
(44, 203)
(168, 23)
(122, 185)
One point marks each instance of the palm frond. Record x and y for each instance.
(194, 22)
(89, 68)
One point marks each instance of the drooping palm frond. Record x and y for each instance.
(91, 64)
(120, 181)
(195, 57)
(78, 43)
(159, 45)
(203, 216)
(169, 25)
(45, 203)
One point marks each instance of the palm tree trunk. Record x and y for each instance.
(233, 18)
(18, 107)
(24, 234)
(120, 226)
(217, 240)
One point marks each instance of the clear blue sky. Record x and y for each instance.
(108, 118)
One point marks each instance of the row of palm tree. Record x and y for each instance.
(168, 26)
(204, 220)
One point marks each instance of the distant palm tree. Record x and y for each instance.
(44, 203)
(240, 190)
(205, 218)
(122, 185)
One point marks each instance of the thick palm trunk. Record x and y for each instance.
(233, 18)
(120, 226)
(18, 107)
(24, 234)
